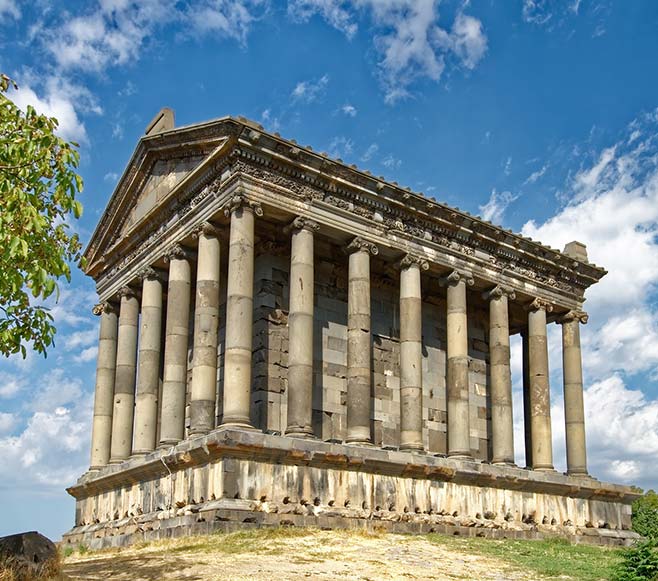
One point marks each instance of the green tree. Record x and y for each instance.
(38, 189)
(645, 515)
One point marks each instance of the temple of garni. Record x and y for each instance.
(289, 340)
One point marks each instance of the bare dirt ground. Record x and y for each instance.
(322, 555)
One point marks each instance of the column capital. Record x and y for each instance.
(499, 291)
(127, 292)
(456, 277)
(150, 273)
(410, 260)
(239, 201)
(104, 307)
(575, 315)
(205, 228)
(176, 252)
(302, 223)
(359, 244)
(539, 304)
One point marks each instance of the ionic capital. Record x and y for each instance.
(359, 244)
(575, 315)
(127, 292)
(301, 223)
(205, 228)
(540, 304)
(498, 292)
(455, 277)
(176, 252)
(149, 273)
(240, 201)
(104, 307)
(410, 260)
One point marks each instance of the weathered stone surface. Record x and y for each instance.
(27, 553)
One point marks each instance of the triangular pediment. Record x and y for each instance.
(160, 170)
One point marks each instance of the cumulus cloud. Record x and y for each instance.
(11, 385)
(349, 110)
(408, 39)
(495, 207)
(309, 91)
(7, 422)
(227, 18)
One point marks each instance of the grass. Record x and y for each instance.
(13, 570)
(548, 558)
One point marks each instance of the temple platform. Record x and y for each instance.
(235, 479)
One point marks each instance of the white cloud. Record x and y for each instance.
(335, 13)
(80, 339)
(391, 162)
(373, 148)
(495, 207)
(341, 147)
(410, 43)
(309, 91)
(7, 422)
(9, 8)
(111, 177)
(349, 110)
(536, 175)
(227, 18)
(10, 385)
(537, 11)
(467, 40)
(86, 355)
(59, 98)
(508, 166)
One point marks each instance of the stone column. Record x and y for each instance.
(124, 381)
(148, 378)
(502, 422)
(239, 312)
(411, 354)
(457, 391)
(574, 411)
(359, 341)
(101, 431)
(206, 323)
(540, 391)
(174, 379)
(300, 329)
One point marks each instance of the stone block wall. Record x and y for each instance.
(270, 355)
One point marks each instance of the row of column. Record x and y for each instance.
(126, 415)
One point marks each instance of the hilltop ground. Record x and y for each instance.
(341, 555)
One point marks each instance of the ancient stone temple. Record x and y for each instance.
(285, 339)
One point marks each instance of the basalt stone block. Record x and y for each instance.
(29, 554)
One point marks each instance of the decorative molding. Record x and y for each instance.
(410, 260)
(456, 277)
(239, 202)
(150, 273)
(575, 315)
(359, 244)
(127, 292)
(499, 291)
(540, 304)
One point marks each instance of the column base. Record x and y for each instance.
(139, 453)
(496, 462)
(115, 461)
(364, 443)
(198, 432)
(241, 424)
(576, 472)
(301, 435)
(545, 468)
(168, 443)
(460, 455)
(411, 448)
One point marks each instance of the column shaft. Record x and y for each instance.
(148, 383)
(206, 322)
(502, 422)
(540, 392)
(457, 389)
(300, 329)
(411, 355)
(124, 382)
(574, 411)
(174, 381)
(239, 316)
(359, 343)
(101, 432)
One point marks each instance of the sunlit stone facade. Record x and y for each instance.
(288, 340)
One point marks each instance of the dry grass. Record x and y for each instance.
(12, 569)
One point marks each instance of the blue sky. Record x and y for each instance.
(541, 116)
